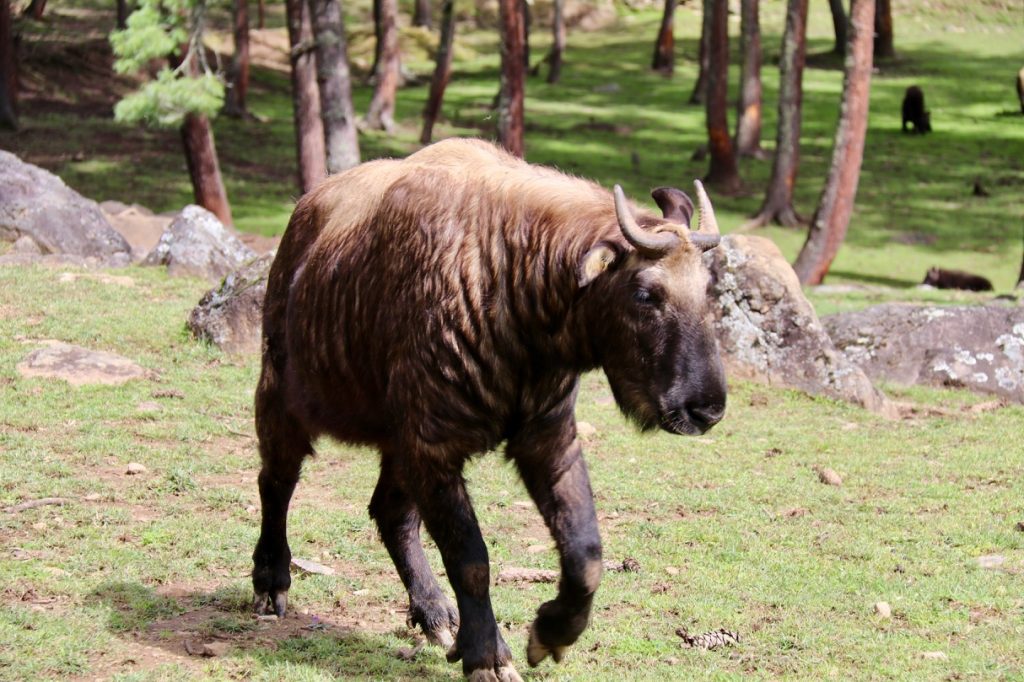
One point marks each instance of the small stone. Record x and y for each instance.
(312, 567)
(216, 648)
(829, 477)
(250, 509)
(672, 570)
(536, 549)
(585, 430)
(934, 655)
(883, 609)
(361, 593)
(25, 244)
(523, 504)
(92, 497)
(134, 469)
(147, 407)
(1020, 526)
(991, 561)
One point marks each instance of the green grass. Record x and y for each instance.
(731, 530)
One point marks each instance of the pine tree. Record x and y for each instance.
(185, 94)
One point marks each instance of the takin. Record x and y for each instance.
(914, 111)
(956, 279)
(437, 306)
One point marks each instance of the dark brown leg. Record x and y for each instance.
(283, 445)
(399, 525)
(550, 461)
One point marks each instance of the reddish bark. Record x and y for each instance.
(884, 47)
(513, 76)
(664, 47)
(8, 70)
(309, 127)
(203, 168)
(442, 71)
(122, 14)
(261, 15)
(34, 10)
(748, 110)
(335, 81)
(700, 88)
(557, 42)
(234, 102)
(778, 200)
(381, 114)
(723, 172)
(832, 217)
(839, 25)
(421, 14)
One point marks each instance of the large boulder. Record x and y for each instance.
(976, 347)
(196, 243)
(231, 316)
(37, 205)
(768, 330)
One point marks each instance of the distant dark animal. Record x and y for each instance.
(914, 111)
(979, 190)
(437, 306)
(1020, 88)
(956, 279)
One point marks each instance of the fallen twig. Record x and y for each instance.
(32, 504)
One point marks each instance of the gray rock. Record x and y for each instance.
(768, 330)
(976, 347)
(79, 366)
(37, 204)
(231, 316)
(197, 244)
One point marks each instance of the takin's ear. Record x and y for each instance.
(675, 205)
(596, 261)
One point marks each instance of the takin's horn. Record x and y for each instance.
(650, 244)
(707, 235)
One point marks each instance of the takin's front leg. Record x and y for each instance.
(440, 495)
(399, 525)
(550, 461)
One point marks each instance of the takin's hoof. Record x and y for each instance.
(265, 603)
(439, 621)
(537, 651)
(504, 673)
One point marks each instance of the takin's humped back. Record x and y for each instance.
(438, 305)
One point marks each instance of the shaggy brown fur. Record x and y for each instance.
(439, 305)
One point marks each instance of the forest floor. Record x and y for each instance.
(730, 530)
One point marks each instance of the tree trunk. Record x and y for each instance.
(778, 200)
(884, 48)
(261, 15)
(832, 217)
(700, 88)
(34, 10)
(381, 114)
(8, 71)
(839, 24)
(421, 14)
(442, 71)
(664, 47)
(335, 81)
(122, 14)
(557, 42)
(378, 37)
(1020, 277)
(309, 127)
(513, 76)
(748, 110)
(527, 18)
(723, 172)
(201, 157)
(234, 102)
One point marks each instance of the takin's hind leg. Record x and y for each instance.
(283, 443)
(399, 525)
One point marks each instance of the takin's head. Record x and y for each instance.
(648, 314)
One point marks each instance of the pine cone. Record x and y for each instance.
(709, 640)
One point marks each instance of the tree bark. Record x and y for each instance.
(884, 47)
(234, 102)
(378, 37)
(1020, 277)
(778, 200)
(335, 81)
(8, 70)
(34, 10)
(524, 9)
(421, 14)
(513, 76)
(748, 110)
(261, 14)
(203, 168)
(122, 14)
(832, 217)
(557, 42)
(309, 127)
(700, 88)
(442, 71)
(723, 172)
(664, 46)
(381, 114)
(839, 25)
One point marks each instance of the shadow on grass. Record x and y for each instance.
(183, 622)
(894, 282)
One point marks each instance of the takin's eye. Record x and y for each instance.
(645, 296)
